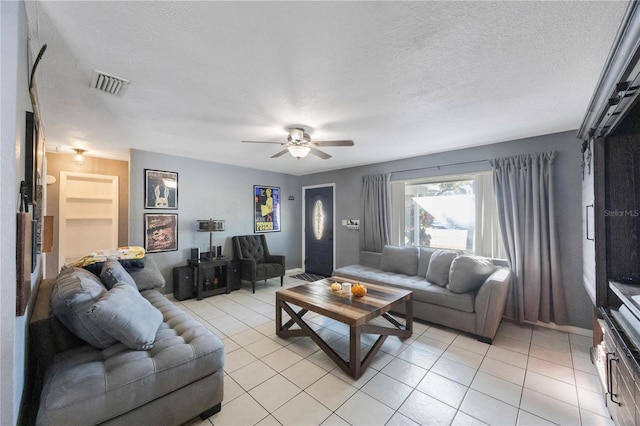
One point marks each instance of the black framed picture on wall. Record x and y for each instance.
(266, 208)
(160, 189)
(160, 232)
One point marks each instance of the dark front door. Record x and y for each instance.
(318, 230)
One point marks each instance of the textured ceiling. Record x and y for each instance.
(401, 79)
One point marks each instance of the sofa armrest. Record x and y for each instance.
(247, 269)
(48, 336)
(370, 258)
(490, 302)
(275, 258)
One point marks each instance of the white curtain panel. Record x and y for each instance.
(488, 238)
(524, 187)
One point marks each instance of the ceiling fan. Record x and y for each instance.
(299, 144)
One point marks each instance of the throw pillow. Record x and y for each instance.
(423, 261)
(468, 273)
(439, 264)
(129, 265)
(113, 272)
(128, 317)
(148, 277)
(402, 260)
(73, 294)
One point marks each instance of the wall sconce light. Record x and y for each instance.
(79, 158)
(211, 226)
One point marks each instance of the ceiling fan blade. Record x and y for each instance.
(280, 154)
(278, 143)
(333, 143)
(319, 153)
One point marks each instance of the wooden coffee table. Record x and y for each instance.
(356, 312)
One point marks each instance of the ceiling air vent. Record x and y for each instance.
(109, 83)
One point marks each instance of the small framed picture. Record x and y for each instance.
(160, 189)
(266, 203)
(160, 232)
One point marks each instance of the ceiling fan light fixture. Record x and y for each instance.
(299, 151)
(296, 134)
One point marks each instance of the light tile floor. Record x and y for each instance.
(529, 376)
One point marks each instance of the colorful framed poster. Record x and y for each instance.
(266, 203)
(160, 190)
(160, 232)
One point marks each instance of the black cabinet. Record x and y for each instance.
(233, 275)
(184, 283)
(205, 278)
(211, 277)
(621, 372)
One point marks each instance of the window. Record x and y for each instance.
(318, 220)
(440, 214)
(455, 212)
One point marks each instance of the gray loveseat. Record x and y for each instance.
(467, 293)
(177, 379)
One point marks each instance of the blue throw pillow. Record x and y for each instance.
(113, 272)
(468, 273)
(128, 317)
(73, 294)
(439, 264)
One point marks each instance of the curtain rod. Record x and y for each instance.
(438, 167)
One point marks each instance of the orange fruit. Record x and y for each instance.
(358, 290)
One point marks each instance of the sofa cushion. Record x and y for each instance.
(402, 260)
(467, 273)
(113, 272)
(149, 277)
(439, 264)
(423, 260)
(127, 316)
(74, 292)
(251, 247)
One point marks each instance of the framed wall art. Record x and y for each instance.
(31, 156)
(23, 262)
(160, 232)
(266, 203)
(160, 189)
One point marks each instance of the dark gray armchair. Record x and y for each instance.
(256, 263)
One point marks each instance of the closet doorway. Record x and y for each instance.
(88, 212)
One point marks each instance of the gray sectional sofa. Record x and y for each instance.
(467, 293)
(167, 377)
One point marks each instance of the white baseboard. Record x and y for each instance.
(566, 328)
(294, 271)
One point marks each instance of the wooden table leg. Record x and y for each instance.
(278, 316)
(408, 316)
(354, 351)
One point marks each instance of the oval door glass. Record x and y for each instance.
(318, 219)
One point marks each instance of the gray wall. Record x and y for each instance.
(15, 101)
(218, 191)
(568, 200)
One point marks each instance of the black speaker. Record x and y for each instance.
(184, 284)
(195, 254)
(219, 251)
